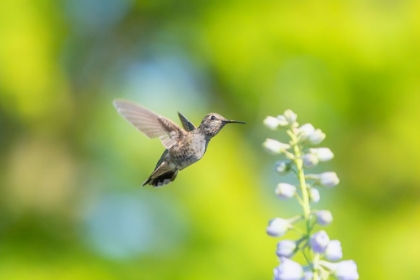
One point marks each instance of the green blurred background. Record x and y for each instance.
(70, 202)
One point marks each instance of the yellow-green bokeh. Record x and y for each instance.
(350, 68)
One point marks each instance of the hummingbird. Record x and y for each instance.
(183, 146)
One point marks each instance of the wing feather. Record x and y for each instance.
(188, 126)
(150, 123)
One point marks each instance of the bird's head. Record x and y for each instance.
(213, 123)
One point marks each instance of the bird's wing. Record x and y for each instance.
(188, 126)
(150, 123)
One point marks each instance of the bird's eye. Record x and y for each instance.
(212, 118)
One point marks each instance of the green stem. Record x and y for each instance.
(305, 195)
(302, 182)
(299, 199)
(306, 257)
(316, 259)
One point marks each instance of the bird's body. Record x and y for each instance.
(184, 146)
(180, 156)
(188, 151)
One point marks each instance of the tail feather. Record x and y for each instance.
(162, 179)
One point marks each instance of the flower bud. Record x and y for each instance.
(285, 248)
(288, 270)
(282, 121)
(346, 270)
(316, 137)
(309, 275)
(319, 241)
(314, 195)
(274, 146)
(271, 122)
(323, 217)
(285, 191)
(334, 251)
(328, 179)
(283, 167)
(306, 130)
(323, 154)
(278, 227)
(290, 116)
(310, 160)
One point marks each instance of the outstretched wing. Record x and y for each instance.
(150, 123)
(188, 126)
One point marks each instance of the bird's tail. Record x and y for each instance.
(162, 179)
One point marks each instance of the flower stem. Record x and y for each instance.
(304, 190)
(301, 175)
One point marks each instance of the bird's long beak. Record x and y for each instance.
(233, 121)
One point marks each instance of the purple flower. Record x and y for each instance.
(309, 275)
(323, 154)
(278, 227)
(285, 248)
(316, 137)
(288, 270)
(290, 116)
(272, 122)
(328, 179)
(282, 121)
(310, 160)
(274, 146)
(285, 191)
(306, 130)
(283, 167)
(323, 217)
(319, 241)
(334, 251)
(346, 270)
(314, 195)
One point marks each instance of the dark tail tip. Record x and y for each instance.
(161, 180)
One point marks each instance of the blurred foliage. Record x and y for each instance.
(70, 202)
